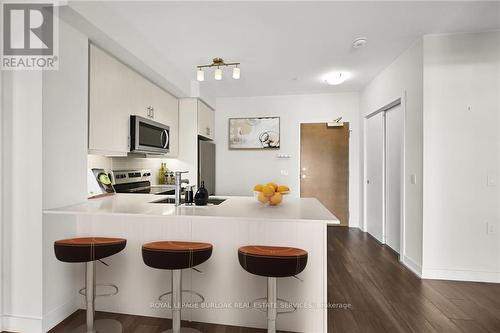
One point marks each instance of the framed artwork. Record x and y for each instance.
(254, 133)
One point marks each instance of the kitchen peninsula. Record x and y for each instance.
(237, 221)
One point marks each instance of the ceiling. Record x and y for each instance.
(286, 47)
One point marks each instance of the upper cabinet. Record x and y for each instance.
(206, 121)
(115, 93)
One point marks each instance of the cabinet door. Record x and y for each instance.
(206, 121)
(109, 104)
(141, 95)
(166, 111)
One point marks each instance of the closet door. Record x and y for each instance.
(375, 176)
(393, 166)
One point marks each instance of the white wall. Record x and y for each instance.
(238, 171)
(65, 117)
(461, 150)
(405, 74)
(22, 201)
(65, 105)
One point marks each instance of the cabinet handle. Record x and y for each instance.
(151, 111)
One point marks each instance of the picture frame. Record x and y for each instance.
(254, 133)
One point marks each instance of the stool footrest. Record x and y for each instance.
(115, 292)
(202, 299)
(263, 300)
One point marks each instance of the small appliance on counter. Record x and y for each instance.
(137, 181)
(201, 196)
(103, 180)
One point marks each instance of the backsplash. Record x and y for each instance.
(126, 163)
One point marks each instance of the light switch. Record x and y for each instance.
(490, 228)
(492, 180)
(413, 179)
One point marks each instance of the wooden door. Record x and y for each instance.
(324, 165)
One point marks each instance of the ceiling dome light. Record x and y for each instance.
(218, 74)
(200, 75)
(336, 78)
(236, 73)
(359, 42)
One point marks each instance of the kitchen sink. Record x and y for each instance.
(213, 201)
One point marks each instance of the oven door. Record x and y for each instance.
(148, 136)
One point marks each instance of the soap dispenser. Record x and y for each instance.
(201, 196)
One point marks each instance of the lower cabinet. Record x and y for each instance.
(115, 93)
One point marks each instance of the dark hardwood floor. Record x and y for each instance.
(375, 294)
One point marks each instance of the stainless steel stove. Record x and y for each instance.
(137, 181)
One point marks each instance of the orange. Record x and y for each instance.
(258, 188)
(283, 188)
(262, 198)
(274, 185)
(276, 199)
(268, 190)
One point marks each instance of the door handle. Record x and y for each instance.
(303, 174)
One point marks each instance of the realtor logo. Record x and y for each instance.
(28, 36)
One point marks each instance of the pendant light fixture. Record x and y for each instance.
(218, 63)
(236, 73)
(218, 74)
(200, 75)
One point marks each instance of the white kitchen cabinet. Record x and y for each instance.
(116, 92)
(206, 121)
(165, 110)
(110, 104)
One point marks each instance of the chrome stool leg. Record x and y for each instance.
(271, 305)
(176, 305)
(91, 325)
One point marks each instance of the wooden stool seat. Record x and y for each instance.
(87, 249)
(173, 255)
(272, 261)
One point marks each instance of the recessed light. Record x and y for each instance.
(336, 78)
(359, 42)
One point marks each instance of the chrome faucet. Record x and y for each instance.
(178, 186)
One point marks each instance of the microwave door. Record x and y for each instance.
(150, 136)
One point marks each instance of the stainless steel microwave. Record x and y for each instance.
(148, 136)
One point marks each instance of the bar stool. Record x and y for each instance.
(88, 250)
(175, 256)
(272, 262)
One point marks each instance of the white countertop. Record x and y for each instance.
(308, 209)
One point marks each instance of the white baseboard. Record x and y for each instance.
(461, 275)
(412, 266)
(57, 315)
(25, 324)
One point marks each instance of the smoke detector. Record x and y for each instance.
(359, 42)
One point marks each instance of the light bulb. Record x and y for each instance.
(200, 75)
(236, 73)
(218, 74)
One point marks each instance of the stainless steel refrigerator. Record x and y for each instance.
(206, 165)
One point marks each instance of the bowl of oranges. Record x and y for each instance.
(271, 193)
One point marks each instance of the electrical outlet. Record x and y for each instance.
(284, 172)
(490, 228)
